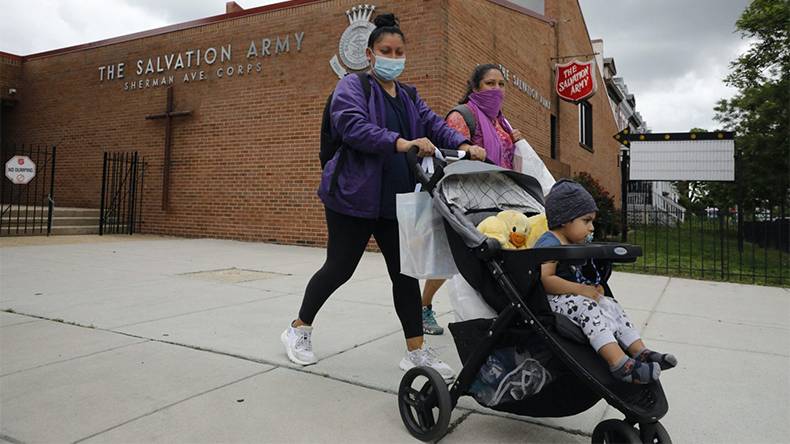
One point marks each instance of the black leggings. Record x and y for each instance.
(348, 237)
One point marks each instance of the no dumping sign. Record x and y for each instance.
(20, 170)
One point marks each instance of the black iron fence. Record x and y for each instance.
(747, 247)
(26, 204)
(123, 181)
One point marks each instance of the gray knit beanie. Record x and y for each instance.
(566, 201)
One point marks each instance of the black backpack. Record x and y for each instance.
(466, 113)
(330, 144)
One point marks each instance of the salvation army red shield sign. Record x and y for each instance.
(575, 80)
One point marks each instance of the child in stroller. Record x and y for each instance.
(509, 281)
(570, 211)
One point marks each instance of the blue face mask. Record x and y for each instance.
(388, 69)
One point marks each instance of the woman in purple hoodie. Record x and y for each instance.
(359, 184)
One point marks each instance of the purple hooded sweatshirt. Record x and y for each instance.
(357, 187)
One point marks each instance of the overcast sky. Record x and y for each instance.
(672, 54)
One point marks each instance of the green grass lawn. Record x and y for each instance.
(703, 249)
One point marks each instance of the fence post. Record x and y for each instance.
(132, 192)
(782, 223)
(103, 190)
(624, 193)
(721, 242)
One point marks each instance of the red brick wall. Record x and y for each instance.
(485, 32)
(10, 75)
(602, 162)
(266, 126)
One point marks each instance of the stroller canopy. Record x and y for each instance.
(476, 187)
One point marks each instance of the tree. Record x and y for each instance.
(758, 113)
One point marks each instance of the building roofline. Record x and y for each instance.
(219, 18)
(518, 8)
(171, 28)
(8, 55)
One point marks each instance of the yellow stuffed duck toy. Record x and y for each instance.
(517, 229)
(537, 226)
(514, 230)
(494, 228)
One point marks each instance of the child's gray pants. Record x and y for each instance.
(603, 323)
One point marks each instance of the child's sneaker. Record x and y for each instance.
(426, 357)
(635, 371)
(429, 324)
(298, 344)
(665, 360)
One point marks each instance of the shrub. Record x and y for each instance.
(606, 223)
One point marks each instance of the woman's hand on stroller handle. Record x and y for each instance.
(424, 146)
(475, 152)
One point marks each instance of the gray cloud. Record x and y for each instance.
(672, 54)
(43, 25)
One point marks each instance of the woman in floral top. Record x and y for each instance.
(485, 94)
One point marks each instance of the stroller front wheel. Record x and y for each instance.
(654, 434)
(615, 431)
(424, 403)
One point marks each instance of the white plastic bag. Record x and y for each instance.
(424, 251)
(527, 161)
(468, 303)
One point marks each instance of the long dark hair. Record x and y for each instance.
(477, 77)
(385, 24)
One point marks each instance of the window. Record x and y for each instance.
(585, 125)
(553, 136)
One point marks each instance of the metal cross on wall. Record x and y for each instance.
(168, 116)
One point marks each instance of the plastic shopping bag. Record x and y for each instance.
(508, 375)
(467, 303)
(527, 161)
(424, 251)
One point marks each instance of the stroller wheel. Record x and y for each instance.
(615, 431)
(654, 434)
(424, 403)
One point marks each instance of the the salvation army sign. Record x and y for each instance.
(20, 170)
(575, 80)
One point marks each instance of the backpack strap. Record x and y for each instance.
(365, 81)
(469, 119)
(410, 91)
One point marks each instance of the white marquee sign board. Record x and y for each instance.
(683, 160)
(680, 156)
(20, 170)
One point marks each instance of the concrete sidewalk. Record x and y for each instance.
(141, 339)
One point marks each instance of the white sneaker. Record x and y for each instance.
(426, 357)
(298, 344)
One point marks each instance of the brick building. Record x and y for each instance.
(245, 162)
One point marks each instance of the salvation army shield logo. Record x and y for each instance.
(575, 80)
(354, 41)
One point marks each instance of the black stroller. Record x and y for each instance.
(464, 193)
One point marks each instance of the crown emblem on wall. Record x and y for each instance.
(354, 41)
(361, 12)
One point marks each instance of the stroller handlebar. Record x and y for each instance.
(428, 182)
(613, 252)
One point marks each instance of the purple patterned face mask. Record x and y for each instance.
(489, 101)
